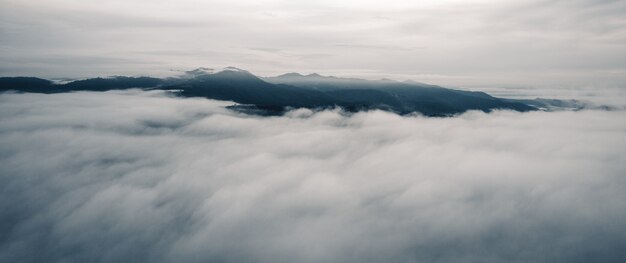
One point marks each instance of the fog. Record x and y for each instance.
(131, 176)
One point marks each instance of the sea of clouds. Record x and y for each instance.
(136, 176)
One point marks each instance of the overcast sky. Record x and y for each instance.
(450, 42)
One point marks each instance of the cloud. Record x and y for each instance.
(141, 176)
(495, 42)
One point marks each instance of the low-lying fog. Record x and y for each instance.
(130, 176)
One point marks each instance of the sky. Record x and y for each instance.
(141, 175)
(480, 43)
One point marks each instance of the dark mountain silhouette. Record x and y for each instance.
(400, 97)
(26, 84)
(242, 87)
(292, 90)
(103, 84)
(30, 84)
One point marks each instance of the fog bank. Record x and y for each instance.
(139, 176)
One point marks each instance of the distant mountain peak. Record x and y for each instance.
(233, 74)
(298, 75)
(204, 71)
(233, 71)
(291, 74)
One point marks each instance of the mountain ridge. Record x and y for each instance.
(275, 95)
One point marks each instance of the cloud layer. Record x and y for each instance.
(452, 42)
(140, 176)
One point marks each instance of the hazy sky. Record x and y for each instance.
(455, 42)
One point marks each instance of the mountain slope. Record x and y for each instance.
(31, 84)
(292, 90)
(401, 97)
(242, 87)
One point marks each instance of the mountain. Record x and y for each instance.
(31, 84)
(319, 82)
(401, 97)
(241, 86)
(26, 84)
(103, 84)
(293, 90)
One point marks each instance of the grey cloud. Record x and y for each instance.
(281, 53)
(389, 48)
(140, 176)
(496, 43)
